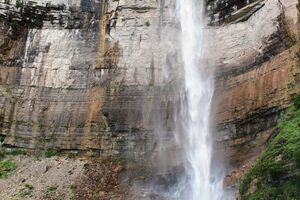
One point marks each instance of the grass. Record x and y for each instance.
(2, 154)
(37, 155)
(51, 189)
(6, 168)
(16, 152)
(297, 99)
(7, 165)
(277, 171)
(11, 152)
(287, 191)
(26, 191)
(52, 152)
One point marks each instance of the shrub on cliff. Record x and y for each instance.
(52, 152)
(276, 175)
(15, 26)
(297, 102)
(19, 3)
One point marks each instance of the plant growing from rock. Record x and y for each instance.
(50, 190)
(297, 99)
(26, 191)
(6, 168)
(51, 153)
(276, 175)
(19, 3)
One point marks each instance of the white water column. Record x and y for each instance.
(198, 80)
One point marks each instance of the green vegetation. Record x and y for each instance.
(116, 159)
(26, 191)
(19, 3)
(52, 152)
(2, 154)
(147, 23)
(37, 155)
(73, 187)
(6, 168)
(298, 55)
(277, 172)
(297, 102)
(11, 152)
(50, 190)
(15, 26)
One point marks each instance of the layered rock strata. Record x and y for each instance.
(90, 75)
(70, 79)
(252, 98)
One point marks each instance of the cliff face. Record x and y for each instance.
(73, 74)
(252, 97)
(46, 84)
(87, 75)
(276, 173)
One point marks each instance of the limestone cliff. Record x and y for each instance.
(87, 75)
(73, 73)
(252, 96)
(276, 174)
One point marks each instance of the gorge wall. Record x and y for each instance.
(87, 75)
(253, 95)
(67, 83)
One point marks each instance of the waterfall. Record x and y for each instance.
(181, 112)
(197, 97)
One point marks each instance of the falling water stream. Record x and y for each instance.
(199, 87)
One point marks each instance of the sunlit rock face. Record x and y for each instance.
(96, 75)
(238, 46)
(87, 75)
(52, 99)
(251, 95)
(77, 74)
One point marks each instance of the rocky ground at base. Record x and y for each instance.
(61, 177)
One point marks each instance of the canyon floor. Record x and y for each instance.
(57, 177)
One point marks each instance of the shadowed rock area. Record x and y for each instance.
(89, 76)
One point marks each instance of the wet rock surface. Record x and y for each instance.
(88, 75)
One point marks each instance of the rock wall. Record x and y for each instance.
(74, 74)
(252, 97)
(100, 75)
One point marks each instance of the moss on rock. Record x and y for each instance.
(276, 174)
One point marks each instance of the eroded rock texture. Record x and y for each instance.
(252, 96)
(74, 74)
(88, 75)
